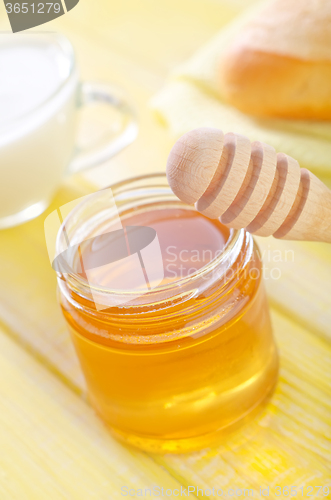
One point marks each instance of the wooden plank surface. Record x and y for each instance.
(53, 446)
(46, 429)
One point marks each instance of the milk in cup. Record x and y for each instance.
(38, 88)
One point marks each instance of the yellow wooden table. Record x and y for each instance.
(52, 446)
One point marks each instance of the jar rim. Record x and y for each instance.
(186, 286)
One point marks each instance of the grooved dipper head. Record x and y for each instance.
(193, 161)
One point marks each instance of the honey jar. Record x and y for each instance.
(172, 366)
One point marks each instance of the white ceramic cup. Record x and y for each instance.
(40, 95)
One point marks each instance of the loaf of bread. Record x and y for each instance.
(280, 63)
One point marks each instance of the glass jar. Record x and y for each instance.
(175, 368)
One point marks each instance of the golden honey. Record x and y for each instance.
(177, 367)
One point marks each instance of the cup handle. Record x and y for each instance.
(92, 93)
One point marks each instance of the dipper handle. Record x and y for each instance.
(249, 185)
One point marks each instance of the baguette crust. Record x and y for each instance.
(272, 85)
(280, 63)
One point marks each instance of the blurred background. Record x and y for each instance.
(135, 46)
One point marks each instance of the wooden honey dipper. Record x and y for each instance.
(249, 185)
